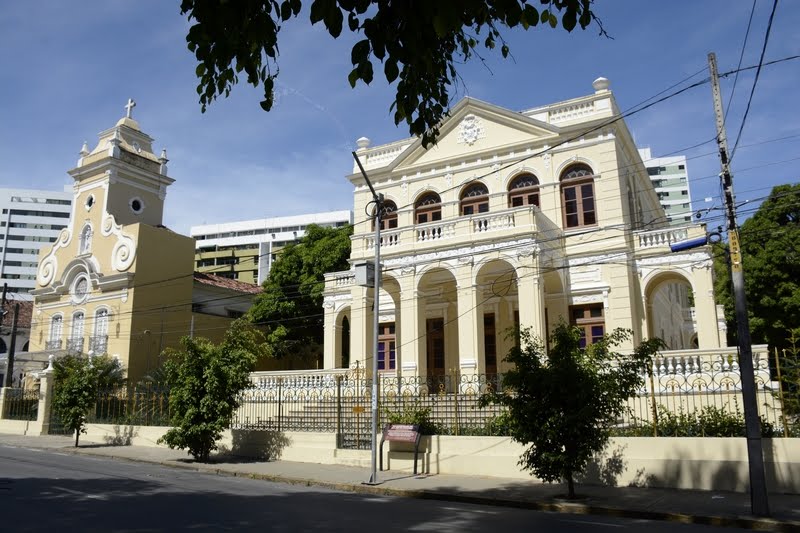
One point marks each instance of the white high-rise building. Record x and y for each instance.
(30, 220)
(670, 178)
(245, 250)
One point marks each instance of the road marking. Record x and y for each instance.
(83, 494)
(593, 522)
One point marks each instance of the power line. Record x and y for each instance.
(755, 81)
(741, 56)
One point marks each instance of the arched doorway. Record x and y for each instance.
(669, 307)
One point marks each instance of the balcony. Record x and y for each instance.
(52, 345)
(98, 344)
(657, 242)
(465, 230)
(75, 344)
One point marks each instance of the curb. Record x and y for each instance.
(755, 524)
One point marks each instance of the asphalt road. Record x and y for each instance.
(49, 491)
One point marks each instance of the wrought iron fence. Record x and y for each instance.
(145, 404)
(21, 404)
(683, 397)
(687, 396)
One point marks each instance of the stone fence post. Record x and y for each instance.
(2, 402)
(45, 400)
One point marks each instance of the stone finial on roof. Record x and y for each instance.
(363, 143)
(601, 84)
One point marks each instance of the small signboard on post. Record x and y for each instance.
(402, 433)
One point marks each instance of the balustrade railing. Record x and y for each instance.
(436, 231)
(467, 227)
(662, 237)
(52, 345)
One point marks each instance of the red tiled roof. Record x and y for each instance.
(225, 283)
(25, 313)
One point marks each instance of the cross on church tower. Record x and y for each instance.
(129, 107)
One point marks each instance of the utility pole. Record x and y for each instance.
(8, 380)
(378, 199)
(759, 504)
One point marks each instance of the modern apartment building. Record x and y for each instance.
(670, 178)
(245, 250)
(30, 220)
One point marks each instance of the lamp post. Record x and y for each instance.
(378, 199)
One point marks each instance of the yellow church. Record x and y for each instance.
(118, 281)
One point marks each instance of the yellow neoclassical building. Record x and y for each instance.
(525, 218)
(116, 280)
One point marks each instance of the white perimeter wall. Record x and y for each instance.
(681, 462)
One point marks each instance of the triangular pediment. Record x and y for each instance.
(473, 128)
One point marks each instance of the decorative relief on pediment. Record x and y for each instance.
(124, 251)
(546, 158)
(48, 267)
(47, 270)
(470, 130)
(448, 178)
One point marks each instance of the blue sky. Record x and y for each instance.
(69, 68)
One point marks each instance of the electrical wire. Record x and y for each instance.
(755, 81)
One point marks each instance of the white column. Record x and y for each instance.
(361, 344)
(411, 329)
(708, 335)
(531, 297)
(331, 347)
(471, 359)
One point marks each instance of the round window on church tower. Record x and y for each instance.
(89, 202)
(137, 205)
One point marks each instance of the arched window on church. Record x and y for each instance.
(85, 243)
(56, 328)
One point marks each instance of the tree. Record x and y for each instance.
(790, 381)
(419, 43)
(562, 404)
(290, 306)
(77, 382)
(770, 242)
(206, 381)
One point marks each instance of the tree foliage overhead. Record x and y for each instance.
(770, 242)
(77, 381)
(417, 43)
(562, 404)
(205, 382)
(290, 306)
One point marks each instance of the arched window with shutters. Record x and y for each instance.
(428, 208)
(99, 341)
(56, 328)
(75, 340)
(577, 196)
(523, 190)
(388, 216)
(475, 199)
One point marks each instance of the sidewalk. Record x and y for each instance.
(700, 507)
